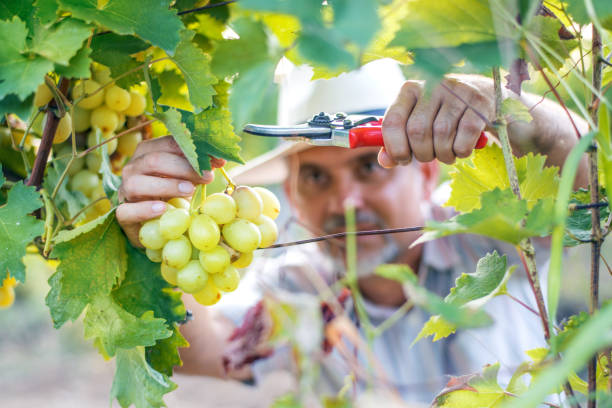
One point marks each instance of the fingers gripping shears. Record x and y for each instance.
(338, 129)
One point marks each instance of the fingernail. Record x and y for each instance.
(158, 207)
(404, 162)
(185, 187)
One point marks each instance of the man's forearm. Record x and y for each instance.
(551, 133)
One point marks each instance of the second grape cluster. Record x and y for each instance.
(201, 250)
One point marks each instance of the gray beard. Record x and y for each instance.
(366, 266)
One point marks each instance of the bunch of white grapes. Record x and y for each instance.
(201, 252)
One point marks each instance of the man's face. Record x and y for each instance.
(322, 179)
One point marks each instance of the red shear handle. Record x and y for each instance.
(370, 134)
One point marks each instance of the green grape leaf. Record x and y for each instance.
(2, 178)
(164, 355)
(319, 45)
(443, 24)
(155, 22)
(181, 134)
(213, 133)
(437, 327)
(453, 314)
(23, 9)
(347, 12)
(489, 276)
(78, 67)
(12, 104)
(60, 42)
(500, 218)
(250, 91)
(46, 11)
(21, 74)
(514, 110)
(112, 327)
(136, 383)
(92, 259)
(396, 272)
(553, 51)
(579, 13)
(485, 170)
(143, 289)
(17, 228)
(173, 91)
(239, 55)
(195, 66)
(115, 52)
(473, 390)
(578, 223)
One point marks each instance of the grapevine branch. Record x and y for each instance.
(595, 216)
(46, 142)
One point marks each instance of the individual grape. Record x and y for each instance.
(174, 223)
(7, 296)
(43, 95)
(169, 274)
(138, 104)
(271, 205)
(120, 120)
(102, 206)
(64, 129)
(94, 161)
(248, 203)
(104, 119)
(179, 202)
(209, 295)
(88, 86)
(177, 252)
(215, 260)
(242, 235)
(204, 232)
(128, 143)
(228, 279)
(102, 74)
(267, 228)
(84, 181)
(154, 255)
(81, 119)
(92, 141)
(117, 98)
(244, 260)
(192, 278)
(220, 207)
(150, 236)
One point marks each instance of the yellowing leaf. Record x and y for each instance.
(485, 170)
(473, 391)
(437, 327)
(515, 110)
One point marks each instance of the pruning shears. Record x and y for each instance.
(339, 129)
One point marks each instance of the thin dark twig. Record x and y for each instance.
(208, 6)
(344, 234)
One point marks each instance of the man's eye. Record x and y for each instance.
(314, 176)
(368, 167)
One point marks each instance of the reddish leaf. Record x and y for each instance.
(518, 74)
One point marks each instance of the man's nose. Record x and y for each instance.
(347, 190)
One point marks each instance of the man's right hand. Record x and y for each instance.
(157, 172)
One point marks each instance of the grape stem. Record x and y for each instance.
(345, 234)
(208, 6)
(231, 186)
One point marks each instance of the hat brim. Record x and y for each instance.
(270, 167)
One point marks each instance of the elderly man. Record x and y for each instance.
(391, 187)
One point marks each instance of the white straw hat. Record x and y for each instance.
(371, 89)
